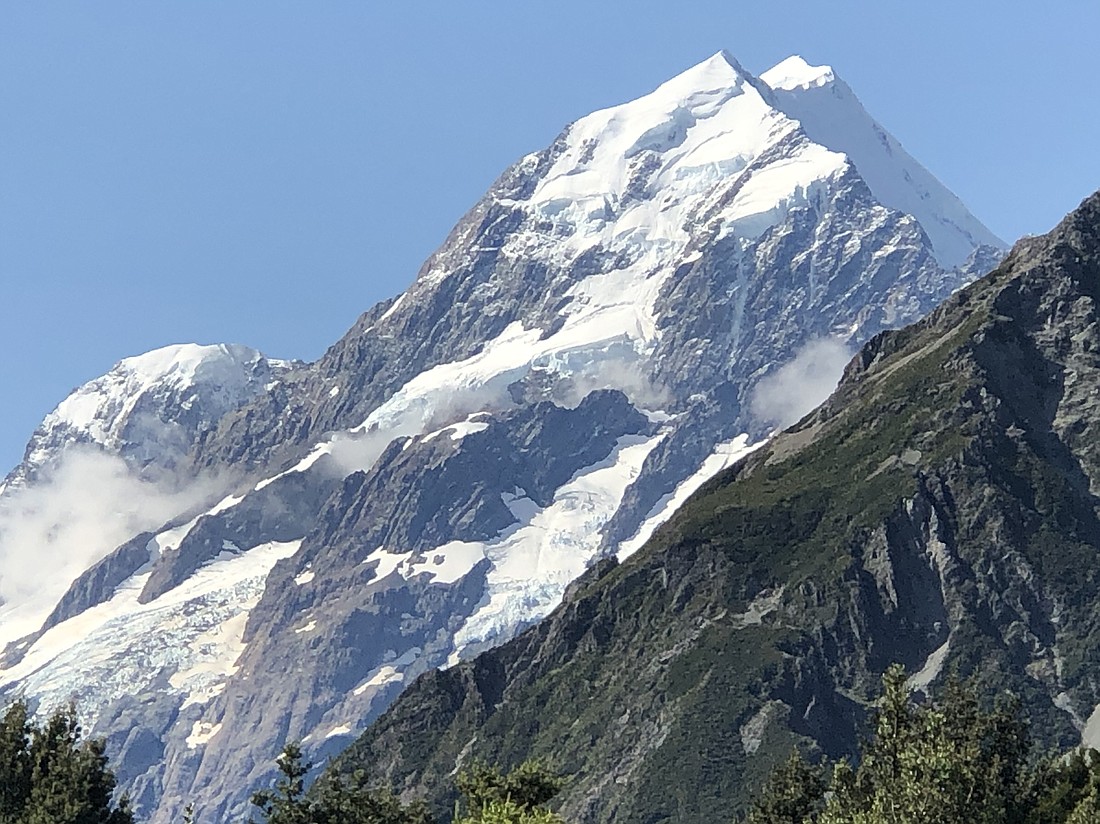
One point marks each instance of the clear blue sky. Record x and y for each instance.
(261, 172)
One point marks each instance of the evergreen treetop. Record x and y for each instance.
(50, 774)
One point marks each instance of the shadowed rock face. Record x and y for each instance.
(940, 510)
(590, 333)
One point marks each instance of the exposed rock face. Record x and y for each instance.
(582, 352)
(939, 510)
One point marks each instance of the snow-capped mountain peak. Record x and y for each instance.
(150, 408)
(831, 115)
(719, 71)
(582, 352)
(795, 72)
(703, 127)
(180, 366)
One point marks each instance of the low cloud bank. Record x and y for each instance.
(67, 520)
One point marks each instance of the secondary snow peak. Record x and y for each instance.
(831, 115)
(796, 73)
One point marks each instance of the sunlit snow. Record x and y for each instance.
(193, 630)
(833, 116)
(724, 455)
(534, 562)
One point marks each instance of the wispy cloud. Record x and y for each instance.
(789, 393)
(76, 513)
(626, 372)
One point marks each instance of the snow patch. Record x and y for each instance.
(315, 454)
(170, 539)
(387, 562)
(389, 673)
(535, 560)
(214, 657)
(446, 564)
(396, 305)
(933, 666)
(725, 454)
(460, 430)
(201, 733)
(386, 674)
(115, 648)
(226, 503)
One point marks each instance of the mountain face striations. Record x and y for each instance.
(939, 510)
(621, 316)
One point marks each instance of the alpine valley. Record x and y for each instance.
(254, 551)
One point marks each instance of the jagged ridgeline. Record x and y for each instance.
(619, 317)
(939, 510)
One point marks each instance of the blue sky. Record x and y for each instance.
(262, 172)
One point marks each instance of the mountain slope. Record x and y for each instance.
(590, 343)
(939, 509)
(105, 465)
(828, 111)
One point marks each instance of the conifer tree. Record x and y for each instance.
(286, 803)
(335, 800)
(490, 797)
(516, 798)
(50, 775)
(949, 761)
(794, 794)
(15, 762)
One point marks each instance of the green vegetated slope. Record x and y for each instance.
(937, 511)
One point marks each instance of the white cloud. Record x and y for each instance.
(70, 518)
(628, 373)
(785, 396)
(359, 449)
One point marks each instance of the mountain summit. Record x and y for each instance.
(831, 115)
(623, 314)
